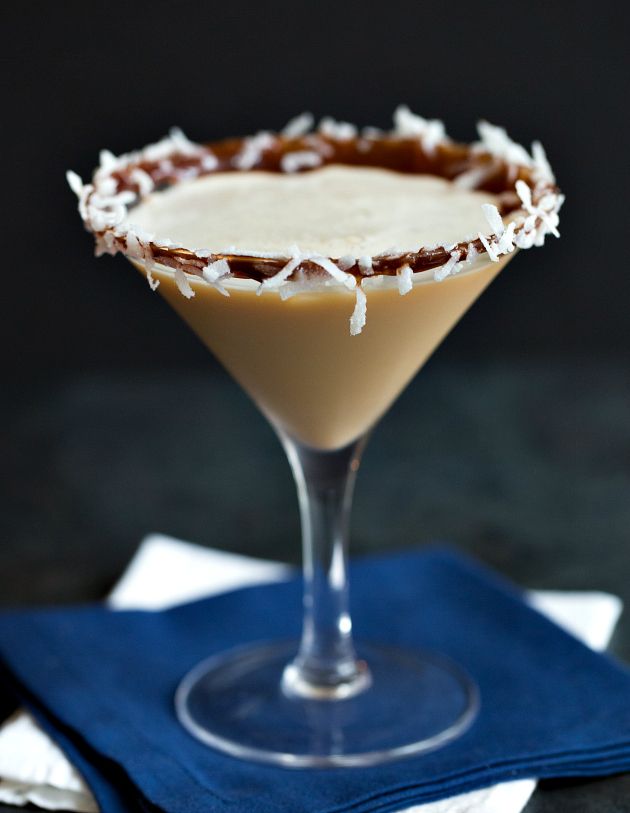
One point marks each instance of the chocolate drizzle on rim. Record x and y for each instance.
(524, 184)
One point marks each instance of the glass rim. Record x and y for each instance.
(524, 184)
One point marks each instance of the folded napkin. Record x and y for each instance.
(167, 571)
(551, 707)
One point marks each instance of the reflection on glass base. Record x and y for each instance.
(416, 702)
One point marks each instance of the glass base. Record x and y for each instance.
(415, 702)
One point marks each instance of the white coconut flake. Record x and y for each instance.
(496, 141)
(359, 314)
(539, 236)
(525, 195)
(489, 247)
(430, 132)
(143, 181)
(209, 161)
(546, 209)
(318, 144)
(471, 253)
(74, 182)
(530, 222)
(182, 143)
(365, 265)
(493, 216)
(154, 284)
(339, 130)
(542, 166)
(298, 126)
(525, 239)
(345, 262)
(183, 284)
(160, 151)
(301, 159)
(451, 266)
(105, 244)
(272, 283)
(105, 185)
(335, 272)
(214, 271)
(253, 149)
(119, 199)
(108, 161)
(134, 248)
(471, 179)
(142, 234)
(405, 280)
(101, 219)
(505, 243)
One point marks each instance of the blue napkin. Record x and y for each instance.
(102, 683)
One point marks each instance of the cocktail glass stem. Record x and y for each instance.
(326, 666)
(323, 706)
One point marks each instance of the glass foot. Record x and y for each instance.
(414, 703)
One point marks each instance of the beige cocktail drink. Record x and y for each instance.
(322, 269)
(296, 357)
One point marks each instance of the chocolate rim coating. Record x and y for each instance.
(446, 159)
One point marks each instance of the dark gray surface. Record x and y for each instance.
(525, 465)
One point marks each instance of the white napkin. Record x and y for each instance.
(165, 572)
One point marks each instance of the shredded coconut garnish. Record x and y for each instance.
(74, 182)
(345, 262)
(120, 181)
(471, 253)
(183, 144)
(451, 266)
(504, 242)
(495, 140)
(359, 314)
(318, 145)
(183, 284)
(276, 281)
(492, 215)
(335, 272)
(301, 159)
(339, 130)
(541, 164)
(143, 180)
(490, 247)
(153, 283)
(525, 194)
(298, 126)
(472, 178)
(253, 150)
(431, 132)
(213, 272)
(365, 265)
(405, 280)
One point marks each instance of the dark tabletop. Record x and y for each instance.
(526, 465)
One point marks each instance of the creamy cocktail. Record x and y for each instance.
(322, 268)
(296, 357)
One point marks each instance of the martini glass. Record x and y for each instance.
(324, 700)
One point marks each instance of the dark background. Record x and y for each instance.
(83, 76)
(514, 441)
